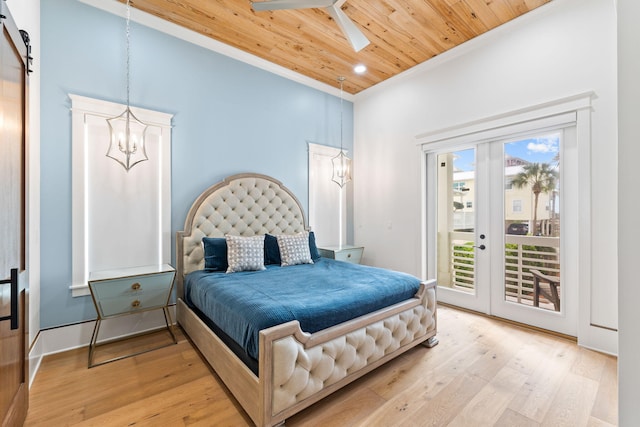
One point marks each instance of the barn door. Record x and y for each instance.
(13, 361)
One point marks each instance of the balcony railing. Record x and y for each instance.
(462, 260)
(521, 254)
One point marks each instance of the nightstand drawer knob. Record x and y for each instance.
(348, 255)
(135, 286)
(135, 304)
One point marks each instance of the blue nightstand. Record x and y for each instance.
(127, 291)
(346, 253)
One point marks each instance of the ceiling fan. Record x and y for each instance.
(333, 7)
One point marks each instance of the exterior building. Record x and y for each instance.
(518, 202)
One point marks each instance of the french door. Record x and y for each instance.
(502, 220)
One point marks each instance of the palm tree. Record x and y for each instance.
(542, 179)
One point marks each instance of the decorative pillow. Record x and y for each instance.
(215, 253)
(271, 250)
(315, 254)
(294, 248)
(245, 253)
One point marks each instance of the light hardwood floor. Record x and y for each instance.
(484, 372)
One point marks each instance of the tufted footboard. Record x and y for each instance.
(299, 369)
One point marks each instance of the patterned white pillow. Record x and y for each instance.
(294, 248)
(245, 253)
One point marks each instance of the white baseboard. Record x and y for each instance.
(69, 337)
(600, 339)
(35, 358)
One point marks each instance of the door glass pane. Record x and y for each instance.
(456, 220)
(532, 221)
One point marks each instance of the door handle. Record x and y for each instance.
(481, 247)
(13, 317)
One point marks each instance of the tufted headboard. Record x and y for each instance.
(242, 205)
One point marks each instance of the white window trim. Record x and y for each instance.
(327, 201)
(551, 115)
(159, 123)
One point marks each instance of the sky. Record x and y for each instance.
(535, 150)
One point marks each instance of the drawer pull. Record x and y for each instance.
(135, 286)
(348, 255)
(135, 304)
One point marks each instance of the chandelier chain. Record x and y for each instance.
(127, 145)
(341, 80)
(341, 163)
(128, 32)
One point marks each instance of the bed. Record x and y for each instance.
(293, 368)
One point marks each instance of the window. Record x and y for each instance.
(459, 186)
(517, 206)
(508, 185)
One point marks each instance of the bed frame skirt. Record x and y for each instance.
(297, 369)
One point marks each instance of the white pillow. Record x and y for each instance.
(294, 248)
(245, 253)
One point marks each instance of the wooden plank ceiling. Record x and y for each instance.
(403, 33)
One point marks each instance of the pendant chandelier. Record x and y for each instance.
(127, 133)
(341, 163)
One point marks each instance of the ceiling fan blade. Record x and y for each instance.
(289, 4)
(353, 34)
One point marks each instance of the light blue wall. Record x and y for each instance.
(229, 117)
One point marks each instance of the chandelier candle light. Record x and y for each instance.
(341, 163)
(127, 133)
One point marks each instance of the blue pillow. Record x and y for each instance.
(315, 255)
(215, 253)
(272, 251)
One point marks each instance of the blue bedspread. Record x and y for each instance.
(318, 295)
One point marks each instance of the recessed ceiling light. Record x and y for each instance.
(360, 68)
